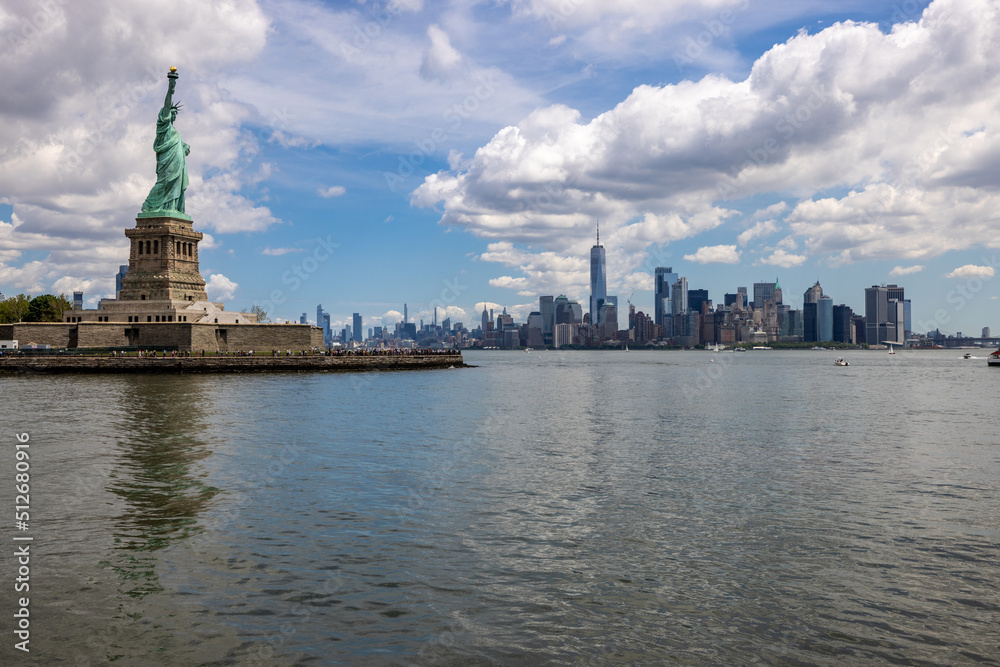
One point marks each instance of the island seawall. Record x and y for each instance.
(81, 363)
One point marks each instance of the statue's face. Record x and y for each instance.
(173, 115)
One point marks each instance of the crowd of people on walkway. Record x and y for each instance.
(153, 354)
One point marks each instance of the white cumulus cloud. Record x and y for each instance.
(716, 254)
(906, 270)
(332, 191)
(784, 259)
(440, 59)
(78, 159)
(220, 288)
(762, 228)
(882, 115)
(971, 271)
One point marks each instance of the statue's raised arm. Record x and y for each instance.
(167, 194)
(168, 101)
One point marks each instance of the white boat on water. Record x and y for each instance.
(841, 362)
(891, 351)
(993, 359)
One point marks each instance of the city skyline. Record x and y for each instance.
(465, 153)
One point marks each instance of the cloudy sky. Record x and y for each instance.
(365, 154)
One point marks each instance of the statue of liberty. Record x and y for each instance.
(171, 166)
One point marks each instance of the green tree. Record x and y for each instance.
(14, 309)
(47, 308)
(261, 314)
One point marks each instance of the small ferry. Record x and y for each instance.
(761, 347)
(993, 359)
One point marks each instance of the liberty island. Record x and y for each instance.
(163, 305)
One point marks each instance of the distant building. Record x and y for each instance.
(643, 328)
(696, 297)
(303, 319)
(664, 278)
(735, 301)
(812, 294)
(792, 327)
(598, 279)
(986, 330)
(535, 337)
(119, 277)
(810, 330)
(357, 329)
(843, 332)
(608, 328)
(548, 313)
(562, 334)
(505, 322)
(881, 322)
(323, 322)
(567, 311)
(77, 300)
(824, 318)
(858, 328)
(763, 292)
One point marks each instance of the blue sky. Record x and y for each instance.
(461, 153)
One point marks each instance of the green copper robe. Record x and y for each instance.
(171, 167)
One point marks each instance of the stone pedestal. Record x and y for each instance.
(163, 260)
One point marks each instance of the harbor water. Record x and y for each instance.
(544, 508)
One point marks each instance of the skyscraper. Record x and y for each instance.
(763, 292)
(810, 331)
(358, 334)
(534, 330)
(696, 297)
(119, 277)
(548, 313)
(565, 313)
(664, 278)
(323, 322)
(598, 281)
(812, 294)
(679, 297)
(881, 324)
(842, 327)
(824, 318)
